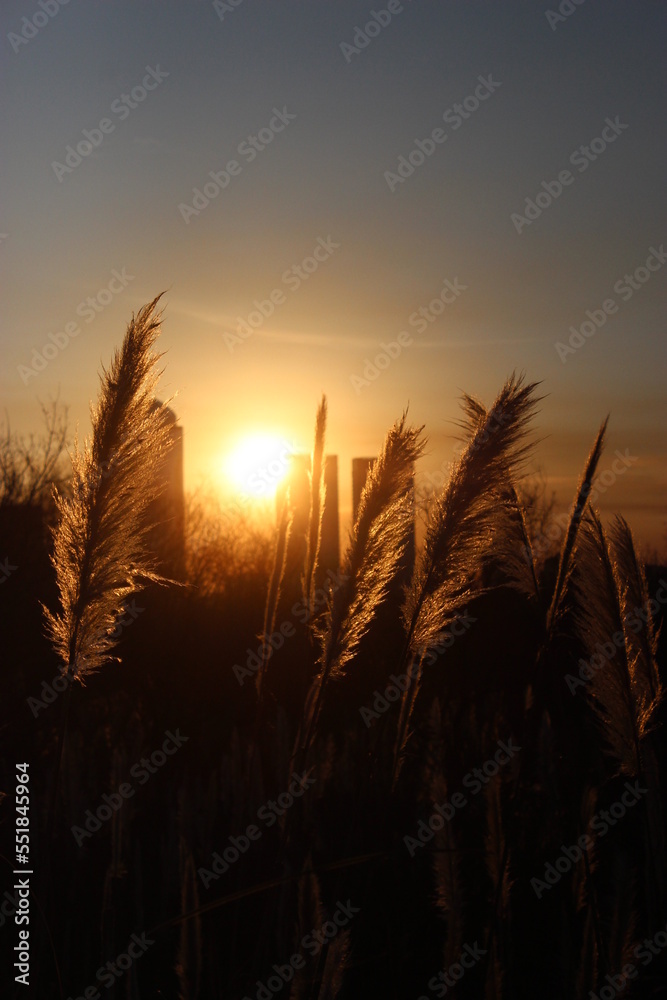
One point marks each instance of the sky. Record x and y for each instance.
(498, 166)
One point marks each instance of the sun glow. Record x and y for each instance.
(257, 465)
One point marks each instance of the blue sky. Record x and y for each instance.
(222, 76)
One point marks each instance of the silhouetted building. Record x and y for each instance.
(360, 469)
(330, 539)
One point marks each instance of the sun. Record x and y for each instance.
(257, 465)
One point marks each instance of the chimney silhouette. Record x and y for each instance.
(360, 469)
(330, 537)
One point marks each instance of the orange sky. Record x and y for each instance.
(312, 227)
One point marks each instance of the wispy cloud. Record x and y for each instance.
(327, 340)
(445, 341)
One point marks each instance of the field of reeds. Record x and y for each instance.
(448, 780)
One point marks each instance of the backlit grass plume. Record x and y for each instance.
(641, 639)
(465, 512)
(566, 564)
(600, 616)
(100, 554)
(377, 544)
(462, 524)
(510, 546)
(626, 689)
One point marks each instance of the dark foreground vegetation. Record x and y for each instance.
(448, 780)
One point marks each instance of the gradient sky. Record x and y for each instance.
(324, 176)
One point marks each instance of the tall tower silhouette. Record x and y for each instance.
(330, 536)
(360, 469)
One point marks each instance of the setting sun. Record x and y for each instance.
(257, 464)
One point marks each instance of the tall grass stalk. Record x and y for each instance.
(317, 499)
(377, 544)
(461, 527)
(100, 553)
